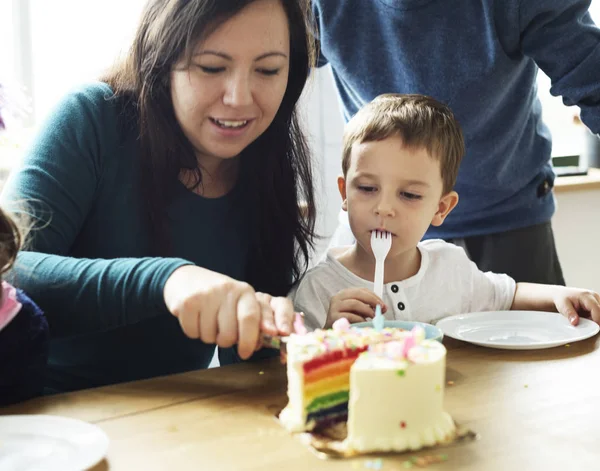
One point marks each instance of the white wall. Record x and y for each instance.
(323, 117)
(576, 230)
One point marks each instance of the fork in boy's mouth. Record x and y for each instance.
(383, 230)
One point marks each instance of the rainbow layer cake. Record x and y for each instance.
(387, 384)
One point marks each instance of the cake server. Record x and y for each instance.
(278, 341)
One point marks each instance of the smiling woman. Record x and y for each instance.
(230, 92)
(166, 196)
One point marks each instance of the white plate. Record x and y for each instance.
(516, 330)
(49, 443)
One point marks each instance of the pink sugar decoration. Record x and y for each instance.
(409, 343)
(299, 327)
(416, 335)
(341, 325)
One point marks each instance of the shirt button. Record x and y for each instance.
(401, 306)
(394, 288)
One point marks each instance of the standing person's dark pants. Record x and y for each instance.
(527, 255)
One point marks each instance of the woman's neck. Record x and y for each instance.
(218, 177)
(397, 268)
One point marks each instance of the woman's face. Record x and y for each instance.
(231, 92)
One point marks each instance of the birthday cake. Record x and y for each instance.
(388, 384)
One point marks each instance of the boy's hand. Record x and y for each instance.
(355, 304)
(573, 302)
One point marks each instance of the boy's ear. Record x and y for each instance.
(447, 203)
(341, 181)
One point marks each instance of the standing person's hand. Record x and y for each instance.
(218, 309)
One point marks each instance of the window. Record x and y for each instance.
(63, 43)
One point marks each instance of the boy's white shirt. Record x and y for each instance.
(447, 283)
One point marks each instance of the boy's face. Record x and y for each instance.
(393, 188)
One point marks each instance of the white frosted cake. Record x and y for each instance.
(388, 384)
(397, 397)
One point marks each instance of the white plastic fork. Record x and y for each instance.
(381, 242)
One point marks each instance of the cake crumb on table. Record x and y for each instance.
(424, 461)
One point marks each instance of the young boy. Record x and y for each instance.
(401, 156)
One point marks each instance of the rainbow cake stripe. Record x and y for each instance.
(318, 367)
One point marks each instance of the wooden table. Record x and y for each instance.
(533, 410)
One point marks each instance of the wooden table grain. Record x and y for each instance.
(532, 410)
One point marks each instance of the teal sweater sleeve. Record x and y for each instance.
(87, 295)
(78, 177)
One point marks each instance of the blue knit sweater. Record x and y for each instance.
(480, 57)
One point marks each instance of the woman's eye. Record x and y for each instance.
(211, 70)
(269, 72)
(410, 196)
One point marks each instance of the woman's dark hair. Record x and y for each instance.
(276, 165)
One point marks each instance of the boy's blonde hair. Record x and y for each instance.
(420, 121)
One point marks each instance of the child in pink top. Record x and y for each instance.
(23, 327)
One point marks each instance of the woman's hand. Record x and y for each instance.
(277, 314)
(218, 309)
(355, 304)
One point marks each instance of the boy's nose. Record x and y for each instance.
(238, 91)
(384, 208)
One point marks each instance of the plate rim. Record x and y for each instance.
(595, 328)
(440, 333)
(88, 461)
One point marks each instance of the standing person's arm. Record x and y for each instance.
(560, 36)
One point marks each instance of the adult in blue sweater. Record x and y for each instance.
(166, 197)
(481, 58)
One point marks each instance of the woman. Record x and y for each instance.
(167, 195)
